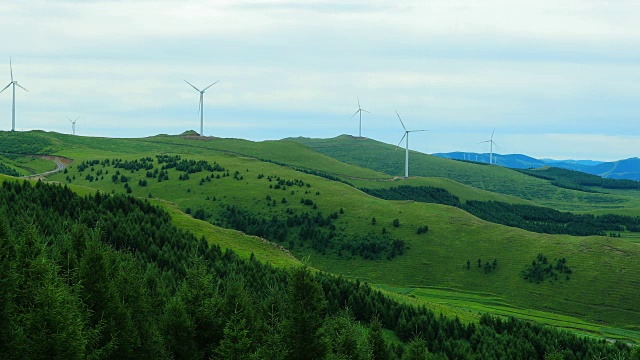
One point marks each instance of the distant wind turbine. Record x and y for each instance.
(360, 110)
(406, 135)
(201, 106)
(491, 142)
(73, 124)
(13, 107)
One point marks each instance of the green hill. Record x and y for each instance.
(384, 158)
(103, 276)
(332, 223)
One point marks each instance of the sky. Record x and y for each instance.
(557, 79)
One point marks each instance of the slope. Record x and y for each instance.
(383, 157)
(596, 290)
(601, 287)
(622, 169)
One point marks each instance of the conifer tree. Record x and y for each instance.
(379, 349)
(307, 307)
(416, 350)
(178, 331)
(235, 344)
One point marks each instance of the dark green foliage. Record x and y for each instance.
(6, 170)
(377, 344)
(533, 218)
(423, 229)
(370, 246)
(307, 309)
(178, 331)
(235, 344)
(541, 269)
(416, 350)
(135, 287)
(396, 223)
(576, 180)
(428, 194)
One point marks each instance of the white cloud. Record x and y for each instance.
(295, 68)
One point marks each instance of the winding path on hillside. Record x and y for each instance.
(60, 161)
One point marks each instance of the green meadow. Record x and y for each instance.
(598, 298)
(383, 158)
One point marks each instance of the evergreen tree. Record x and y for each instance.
(416, 350)
(178, 331)
(235, 344)
(379, 349)
(273, 346)
(307, 307)
(202, 302)
(343, 336)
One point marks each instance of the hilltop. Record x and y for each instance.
(628, 169)
(382, 157)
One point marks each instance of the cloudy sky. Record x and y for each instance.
(557, 79)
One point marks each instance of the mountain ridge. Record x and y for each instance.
(628, 169)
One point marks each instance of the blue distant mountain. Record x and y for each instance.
(621, 169)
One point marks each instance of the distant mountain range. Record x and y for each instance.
(621, 169)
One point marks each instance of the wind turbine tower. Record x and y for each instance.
(73, 124)
(406, 135)
(13, 106)
(360, 110)
(491, 142)
(201, 106)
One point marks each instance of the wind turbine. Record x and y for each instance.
(73, 124)
(201, 106)
(13, 107)
(360, 110)
(491, 142)
(406, 135)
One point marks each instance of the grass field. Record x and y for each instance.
(471, 304)
(383, 158)
(27, 165)
(602, 291)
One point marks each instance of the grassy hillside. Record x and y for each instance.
(384, 158)
(25, 165)
(601, 288)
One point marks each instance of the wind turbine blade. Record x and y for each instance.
(191, 85)
(417, 130)
(405, 128)
(365, 111)
(358, 102)
(496, 145)
(21, 87)
(400, 142)
(482, 142)
(11, 69)
(69, 120)
(494, 130)
(356, 113)
(5, 88)
(76, 119)
(210, 85)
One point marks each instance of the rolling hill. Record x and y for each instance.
(382, 157)
(628, 169)
(622, 169)
(294, 196)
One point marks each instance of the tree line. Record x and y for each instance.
(528, 217)
(109, 276)
(577, 180)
